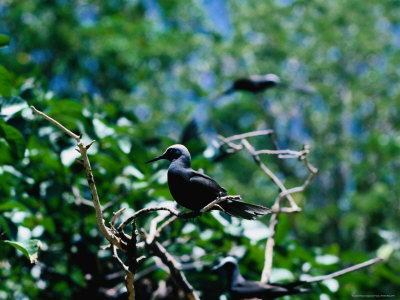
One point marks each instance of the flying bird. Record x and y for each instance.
(259, 83)
(240, 288)
(195, 190)
(254, 83)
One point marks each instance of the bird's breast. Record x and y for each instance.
(179, 186)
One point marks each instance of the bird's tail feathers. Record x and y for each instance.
(244, 210)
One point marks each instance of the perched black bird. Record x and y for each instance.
(240, 288)
(254, 83)
(195, 190)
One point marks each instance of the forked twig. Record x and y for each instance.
(284, 192)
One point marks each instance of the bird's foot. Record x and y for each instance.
(189, 215)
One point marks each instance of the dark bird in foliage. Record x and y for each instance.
(190, 132)
(240, 288)
(195, 190)
(254, 83)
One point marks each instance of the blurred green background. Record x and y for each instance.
(134, 74)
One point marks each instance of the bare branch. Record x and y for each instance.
(89, 176)
(146, 210)
(129, 278)
(248, 134)
(153, 228)
(344, 271)
(269, 248)
(115, 255)
(219, 200)
(96, 201)
(285, 193)
(313, 172)
(165, 224)
(235, 147)
(288, 210)
(70, 133)
(282, 153)
(115, 241)
(78, 198)
(173, 266)
(267, 171)
(116, 214)
(89, 145)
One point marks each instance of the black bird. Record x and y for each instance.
(195, 190)
(240, 288)
(259, 83)
(254, 83)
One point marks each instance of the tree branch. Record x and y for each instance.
(267, 171)
(344, 271)
(284, 193)
(173, 266)
(107, 232)
(219, 200)
(51, 120)
(146, 210)
(248, 134)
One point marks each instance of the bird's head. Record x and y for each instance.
(173, 152)
(228, 264)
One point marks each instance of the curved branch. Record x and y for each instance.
(145, 210)
(344, 271)
(89, 176)
(174, 267)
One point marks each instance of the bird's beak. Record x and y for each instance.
(157, 158)
(217, 267)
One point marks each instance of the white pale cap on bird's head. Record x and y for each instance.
(226, 263)
(173, 152)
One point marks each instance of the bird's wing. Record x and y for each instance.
(206, 183)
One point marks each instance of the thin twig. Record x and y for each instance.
(115, 241)
(146, 210)
(173, 266)
(78, 198)
(96, 201)
(281, 153)
(43, 115)
(116, 214)
(313, 172)
(344, 271)
(153, 228)
(219, 200)
(115, 255)
(267, 171)
(249, 134)
(284, 193)
(235, 147)
(89, 176)
(269, 248)
(165, 224)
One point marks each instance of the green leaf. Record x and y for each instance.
(30, 248)
(6, 153)
(385, 251)
(5, 82)
(9, 205)
(4, 40)
(12, 105)
(327, 259)
(14, 139)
